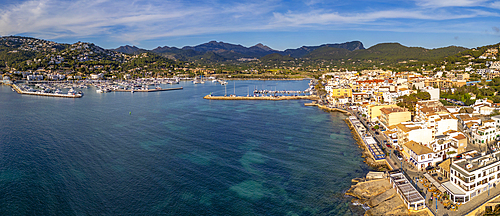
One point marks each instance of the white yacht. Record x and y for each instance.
(198, 81)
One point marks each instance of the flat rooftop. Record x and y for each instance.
(477, 162)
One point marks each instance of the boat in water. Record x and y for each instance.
(198, 81)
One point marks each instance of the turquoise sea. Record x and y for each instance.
(174, 153)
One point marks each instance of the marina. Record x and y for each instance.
(30, 91)
(55, 88)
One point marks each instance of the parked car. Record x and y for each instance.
(399, 157)
(377, 133)
(388, 146)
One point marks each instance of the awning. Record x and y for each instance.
(433, 181)
(453, 189)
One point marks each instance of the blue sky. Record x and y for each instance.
(278, 24)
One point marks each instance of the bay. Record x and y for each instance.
(174, 153)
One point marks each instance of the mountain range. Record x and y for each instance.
(213, 52)
(232, 51)
(21, 52)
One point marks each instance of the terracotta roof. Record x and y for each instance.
(403, 128)
(460, 137)
(417, 148)
(388, 110)
(392, 127)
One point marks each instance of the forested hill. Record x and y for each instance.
(385, 52)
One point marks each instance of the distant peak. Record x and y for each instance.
(262, 46)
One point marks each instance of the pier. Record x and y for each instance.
(19, 91)
(277, 98)
(147, 90)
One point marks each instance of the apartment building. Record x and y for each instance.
(473, 176)
(485, 133)
(394, 115)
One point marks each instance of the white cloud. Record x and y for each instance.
(334, 18)
(137, 20)
(450, 3)
(495, 5)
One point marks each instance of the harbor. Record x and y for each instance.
(30, 91)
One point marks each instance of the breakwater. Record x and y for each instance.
(19, 91)
(309, 97)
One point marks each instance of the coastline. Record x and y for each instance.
(376, 196)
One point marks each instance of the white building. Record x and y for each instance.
(434, 92)
(473, 176)
(486, 133)
(96, 76)
(34, 77)
(419, 155)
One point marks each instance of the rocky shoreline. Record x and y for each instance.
(380, 197)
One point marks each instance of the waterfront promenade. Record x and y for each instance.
(472, 207)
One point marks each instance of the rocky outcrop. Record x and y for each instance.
(380, 197)
(366, 190)
(375, 201)
(392, 206)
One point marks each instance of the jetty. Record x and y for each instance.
(20, 91)
(275, 98)
(147, 90)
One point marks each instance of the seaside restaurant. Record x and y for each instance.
(377, 153)
(410, 196)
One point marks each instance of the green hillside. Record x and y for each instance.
(385, 52)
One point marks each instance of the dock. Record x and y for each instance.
(277, 98)
(148, 90)
(19, 91)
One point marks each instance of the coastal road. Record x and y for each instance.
(392, 159)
